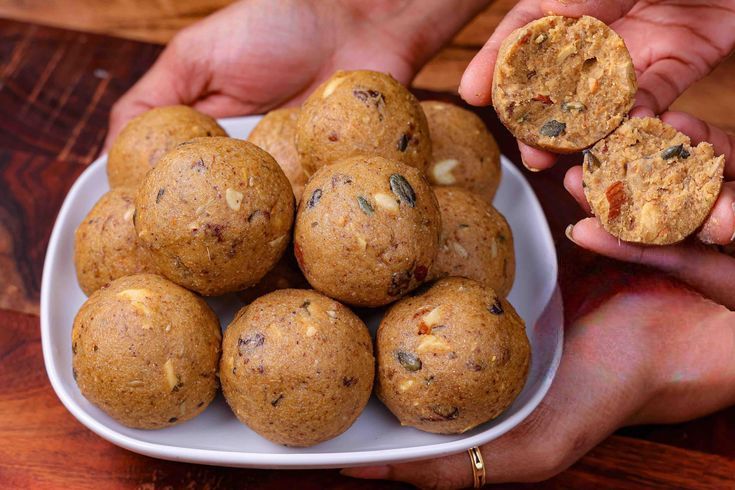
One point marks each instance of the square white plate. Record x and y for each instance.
(216, 437)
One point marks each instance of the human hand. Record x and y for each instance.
(258, 54)
(692, 263)
(650, 352)
(671, 46)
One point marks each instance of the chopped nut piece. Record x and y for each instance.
(541, 38)
(651, 218)
(386, 202)
(461, 251)
(442, 171)
(332, 86)
(593, 85)
(616, 197)
(566, 52)
(310, 331)
(234, 199)
(432, 343)
(137, 298)
(433, 317)
(277, 241)
(171, 378)
(405, 385)
(545, 99)
(361, 242)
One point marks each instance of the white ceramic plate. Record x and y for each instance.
(216, 437)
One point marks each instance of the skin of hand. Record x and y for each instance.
(690, 262)
(627, 360)
(673, 43)
(259, 54)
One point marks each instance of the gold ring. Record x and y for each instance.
(478, 466)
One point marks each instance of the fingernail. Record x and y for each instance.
(531, 169)
(568, 233)
(732, 238)
(706, 234)
(367, 472)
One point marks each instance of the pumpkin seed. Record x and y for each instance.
(552, 128)
(593, 163)
(314, 199)
(403, 142)
(400, 282)
(366, 207)
(446, 413)
(276, 400)
(496, 308)
(251, 342)
(409, 361)
(401, 188)
(674, 151)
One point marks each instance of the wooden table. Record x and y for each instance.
(56, 88)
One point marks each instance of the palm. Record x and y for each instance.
(257, 55)
(277, 53)
(675, 43)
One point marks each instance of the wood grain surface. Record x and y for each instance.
(56, 88)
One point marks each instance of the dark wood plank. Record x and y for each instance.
(622, 462)
(713, 434)
(56, 90)
(59, 86)
(145, 20)
(33, 188)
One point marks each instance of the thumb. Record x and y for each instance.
(476, 84)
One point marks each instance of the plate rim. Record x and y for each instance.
(284, 460)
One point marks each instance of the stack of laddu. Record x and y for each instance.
(339, 203)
